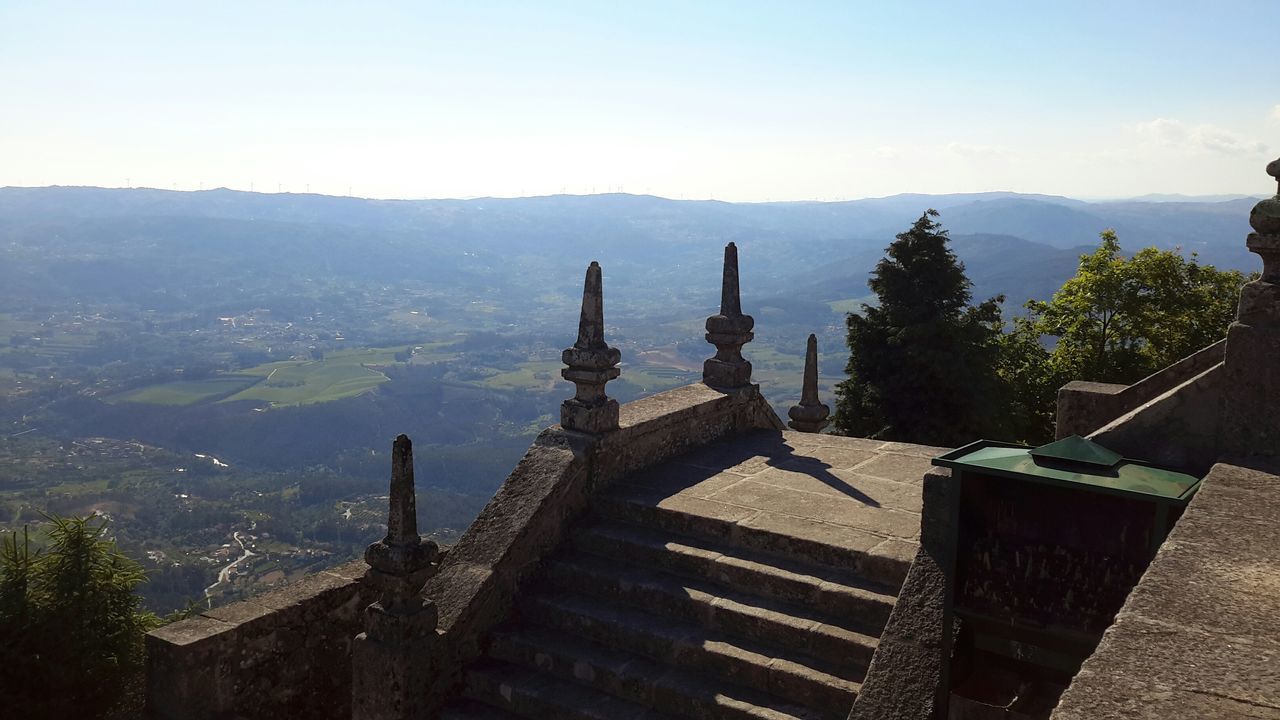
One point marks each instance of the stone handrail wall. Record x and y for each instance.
(551, 486)
(1181, 428)
(909, 675)
(1197, 637)
(285, 653)
(1084, 406)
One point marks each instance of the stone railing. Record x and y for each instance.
(552, 485)
(1084, 406)
(1197, 637)
(285, 653)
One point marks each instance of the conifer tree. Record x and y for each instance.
(922, 363)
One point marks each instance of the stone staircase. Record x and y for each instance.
(653, 612)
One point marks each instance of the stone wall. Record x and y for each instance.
(1084, 407)
(1199, 636)
(1181, 428)
(285, 653)
(909, 676)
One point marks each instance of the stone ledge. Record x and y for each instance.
(262, 656)
(1198, 636)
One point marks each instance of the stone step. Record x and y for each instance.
(885, 563)
(537, 695)
(691, 647)
(664, 688)
(463, 709)
(841, 650)
(840, 593)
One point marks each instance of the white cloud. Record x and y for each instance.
(1177, 134)
(1275, 113)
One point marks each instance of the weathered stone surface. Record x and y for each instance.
(1198, 636)
(909, 677)
(591, 364)
(1179, 429)
(810, 415)
(729, 331)
(284, 653)
(395, 658)
(1252, 380)
(1084, 407)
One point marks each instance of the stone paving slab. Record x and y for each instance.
(854, 492)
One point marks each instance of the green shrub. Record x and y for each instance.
(71, 627)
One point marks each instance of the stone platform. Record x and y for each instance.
(829, 497)
(750, 577)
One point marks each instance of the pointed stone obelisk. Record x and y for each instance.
(592, 363)
(729, 331)
(810, 415)
(391, 660)
(1252, 364)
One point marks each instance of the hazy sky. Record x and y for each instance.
(733, 100)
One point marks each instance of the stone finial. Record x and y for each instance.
(729, 331)
(401, 562)
(591, 364)
(1251, 408)
(810, 415)
(1265, 220)
(392, 660)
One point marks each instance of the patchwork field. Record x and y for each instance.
(188, 392)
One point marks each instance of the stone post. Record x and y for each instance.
(1252, 365)
(391, 662)
(810, 415)
(591, 364)
(729, 331)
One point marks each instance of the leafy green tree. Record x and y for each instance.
(1120, 319)
(1031, 384)
(922, 363)
(71, 625)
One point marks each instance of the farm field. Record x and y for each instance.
(342, 373)
(187, 392)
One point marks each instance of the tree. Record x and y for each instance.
(1117, 320)
(71, 626)
(922, 362)
(1120, 319)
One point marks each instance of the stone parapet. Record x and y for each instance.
(1198, 636)
(909, 676)
(1084, 407)
(285, 653)
(1178, 429)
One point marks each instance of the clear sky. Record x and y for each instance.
(732, 100)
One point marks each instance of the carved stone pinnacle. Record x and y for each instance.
(401, 562)
(591, 364)
(810, 415)
(1265, 220)
(729, 331)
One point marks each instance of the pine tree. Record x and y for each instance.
(922, 363)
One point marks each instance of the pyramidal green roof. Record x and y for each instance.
(1078, 450)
